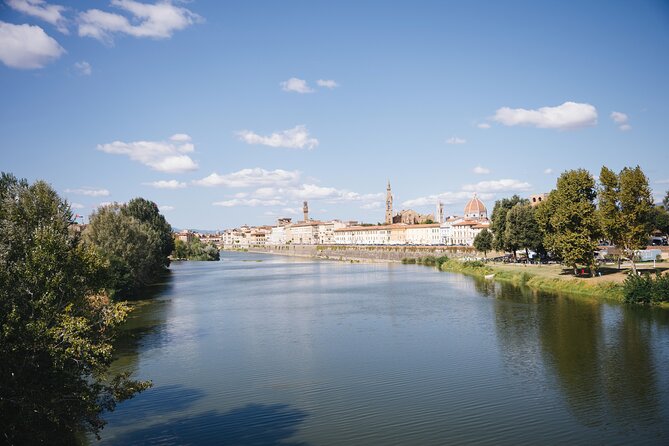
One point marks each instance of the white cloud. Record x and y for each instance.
(42, 10)
(295, 138)
(27, 46)
(157, 21)
(89, 192)
(327, 83)
(77, 206)
(504, 185)
(447, 198)
(166, 184)
(483, 125)
(83, 68)
(252, 202)
(372, 205)
(296, 85)
(159, 155)
(479, 170)
(250, 177)
(166, 208)
(566, 116)
(622, 120)
(292, 211)
(455, 140)
(548, 171)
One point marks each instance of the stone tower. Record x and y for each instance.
(439, 215)
(389, 205)
(305, 209)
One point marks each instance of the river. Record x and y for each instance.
(266, 350)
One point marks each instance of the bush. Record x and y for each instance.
(646, 290)
(473, 264)
(408, 261)
(441, 260)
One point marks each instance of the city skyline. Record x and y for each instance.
(236, 113)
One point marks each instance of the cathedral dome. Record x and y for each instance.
(475, 208)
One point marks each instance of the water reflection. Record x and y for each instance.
(600, 356)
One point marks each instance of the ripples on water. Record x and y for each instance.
(289, 351)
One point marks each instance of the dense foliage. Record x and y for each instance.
(195, 250)
(626, 209)
(498, 222)
(56, 322)
(135, 239)
(483, 241)
(645, 289)
(522, 230)
(569, 221)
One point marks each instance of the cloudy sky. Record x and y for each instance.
(234, 112)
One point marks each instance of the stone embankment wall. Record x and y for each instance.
(367, 253)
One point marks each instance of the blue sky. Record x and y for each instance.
(226, 113)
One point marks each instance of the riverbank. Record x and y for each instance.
(554, 278)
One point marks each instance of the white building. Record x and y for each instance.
(461, 231)
(427, 234)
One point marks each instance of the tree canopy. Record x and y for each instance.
(498, 222)
(522, 229)
(483, 241)
(569, 221)
(626, 209)
(136, 241)
(56, 322)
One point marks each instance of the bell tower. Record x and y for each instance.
(305, 209)
(389, 205)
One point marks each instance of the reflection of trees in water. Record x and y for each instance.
(142, 330)
(571, 337)
(516, 319)
(604, 367)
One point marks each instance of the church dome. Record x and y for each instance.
(475, 208)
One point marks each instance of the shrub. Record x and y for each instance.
(473, 264)
(638, 289)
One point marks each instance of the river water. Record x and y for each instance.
(266, 350)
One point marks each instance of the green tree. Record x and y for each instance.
(147, 212)
(660, 220)
(498, 222)
(483, 241)
(180, 249)
(56, 322)
(568, 219)
(665, 202)
(131, 247)
(626, 209)
(522, 229)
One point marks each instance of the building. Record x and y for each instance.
(536, 199)
(411, 217)
(185, 236)
(461, 231)
(426, 234)
(389, 205)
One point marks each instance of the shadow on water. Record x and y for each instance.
(250, 425)
(153, 402)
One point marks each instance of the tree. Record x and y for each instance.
(626, 209)
(498, 223)
(522, 229)
(568, 219)
(665, 202)
(57, 323)
(660, 220)
(132, 248)
(147, 212)
(135, 239)
(483, 241)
